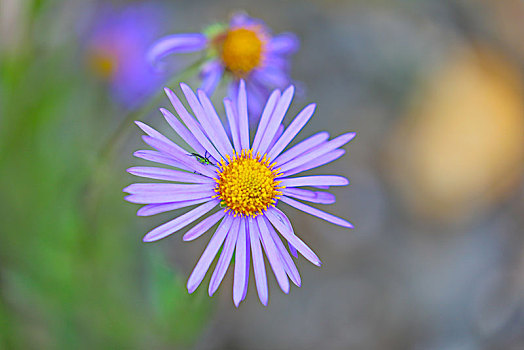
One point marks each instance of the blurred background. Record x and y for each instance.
(434, 89)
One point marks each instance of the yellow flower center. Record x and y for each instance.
(103, 64)
(242, 50)
(246, 184)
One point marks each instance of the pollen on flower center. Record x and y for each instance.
(242, 50)
(246, 184)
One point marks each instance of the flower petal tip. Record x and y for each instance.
(191, 288)
(291, 89)
(150, 238)
(187, 238)
(184, 86)
(146, 239)
(140, 212)
(237, 299)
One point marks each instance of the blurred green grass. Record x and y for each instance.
(73, 270)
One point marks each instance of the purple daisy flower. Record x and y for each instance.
(244, 49)
(115, 51)
(243, 178)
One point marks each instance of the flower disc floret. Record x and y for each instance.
(242, 50)
(246, 184)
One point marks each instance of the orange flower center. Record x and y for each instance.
(242, 51)
(246, 184)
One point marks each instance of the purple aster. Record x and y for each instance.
(244, 49)
(116, 48)
(236, 181)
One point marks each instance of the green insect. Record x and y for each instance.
(203, 160)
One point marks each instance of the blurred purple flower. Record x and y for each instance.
(244, 179)
(116, 48)
(244, 49)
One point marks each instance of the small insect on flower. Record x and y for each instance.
(204, 159)
(244, 48)
(241, 191)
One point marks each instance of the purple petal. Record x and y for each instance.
(281, 223)
(203, 226)
(232, 93)
(182, 131)
(241, 265)
(233, 124)
(284, 44)
(318, 151)
(258, 262)
(209, 254)
(310, 196)
(271, 76)
(315, 163)
(301, 147)
(313, 180)
(185, 159)
(277, 61)
(215, 122)
(153, 133)
(258, 95)
(179, 222)
(157, 157)
(243, 124)
(296, 125)
(276, 119)
(162, 197)
(225, 258)
(153, 209)
(316, 212)
(279, 132)
(248, 260)
(140, 188)
(264, 119)
(192, 125)
(206, 123)
(176, 43)
(211, 74)
(168, 174)
(273, 256)
(203, 118)
(165, 146)
(292, 249)
(239, 19)
(289, 265)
